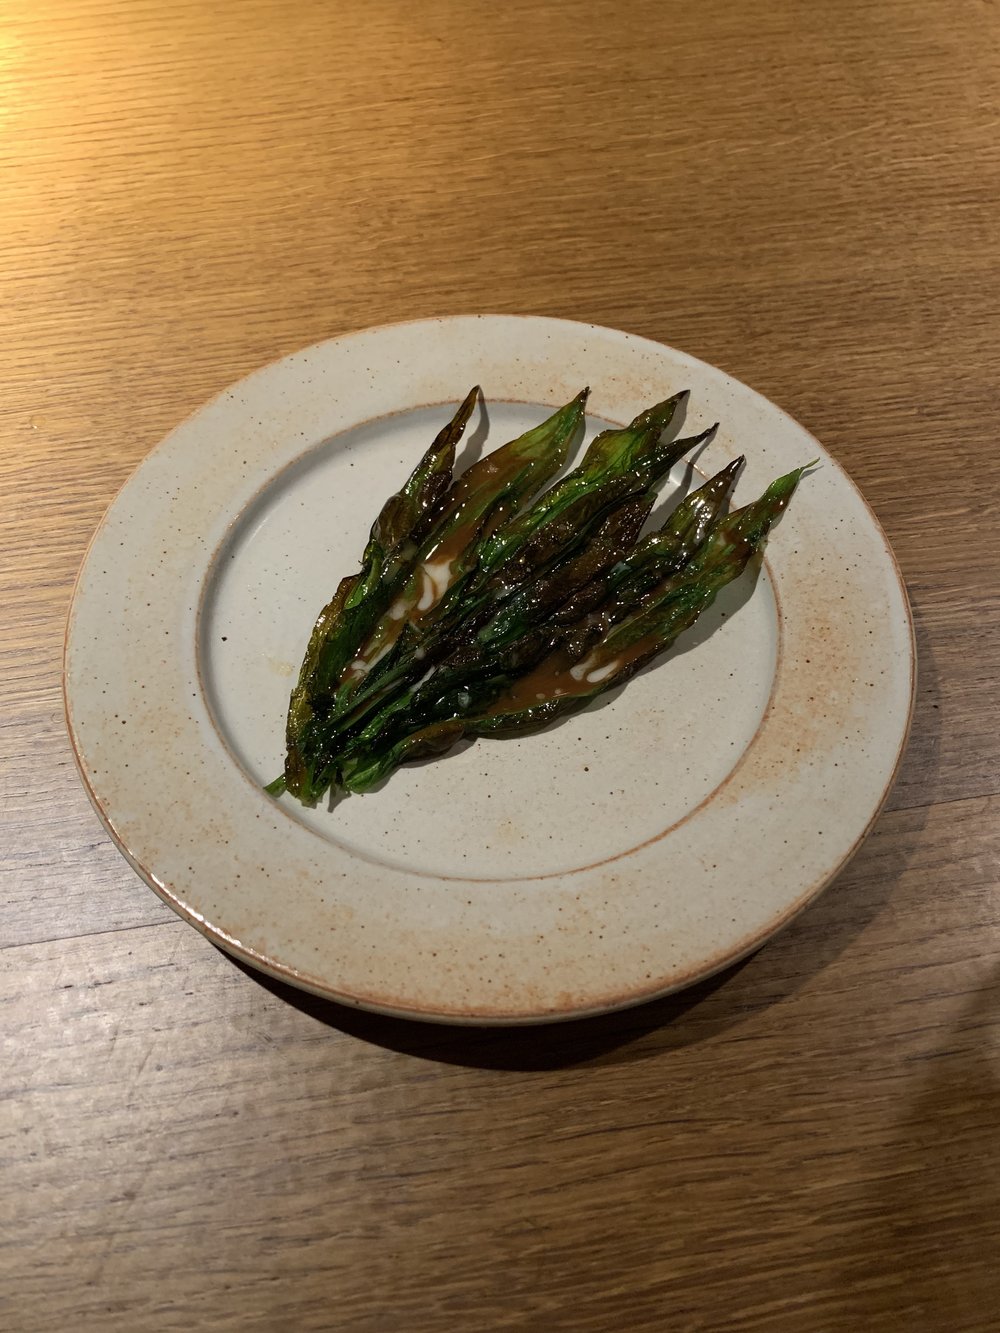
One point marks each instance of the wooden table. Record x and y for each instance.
(806, 195)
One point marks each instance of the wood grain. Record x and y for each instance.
(806, 197)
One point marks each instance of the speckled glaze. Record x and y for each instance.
(625, 853)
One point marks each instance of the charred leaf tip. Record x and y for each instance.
(703, 437)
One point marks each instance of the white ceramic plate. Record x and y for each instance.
(628, 852)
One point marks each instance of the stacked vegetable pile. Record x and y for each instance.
(488, 605)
